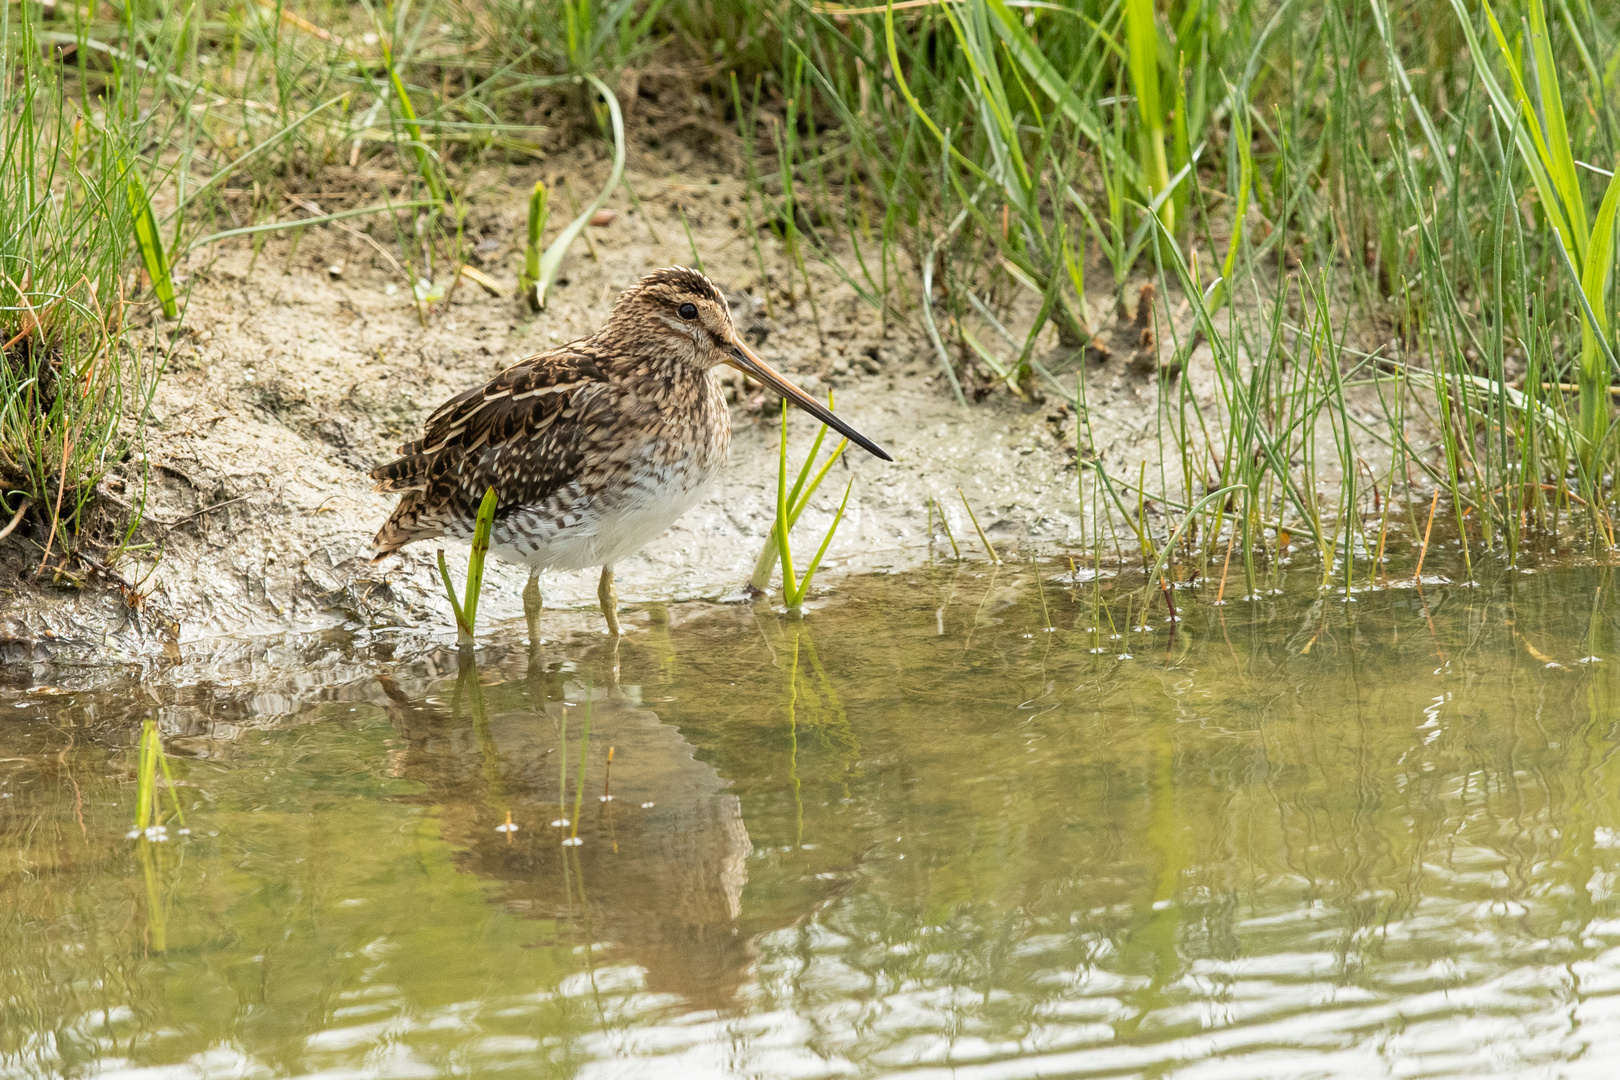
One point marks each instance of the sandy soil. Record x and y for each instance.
(298, 370)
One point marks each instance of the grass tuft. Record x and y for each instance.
(789, 505)
(150, 761)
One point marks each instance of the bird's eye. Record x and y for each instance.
(688, 311)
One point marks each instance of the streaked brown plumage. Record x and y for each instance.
(593, 448)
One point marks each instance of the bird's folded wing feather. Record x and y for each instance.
(520, 433)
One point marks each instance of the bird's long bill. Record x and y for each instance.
(745, 359)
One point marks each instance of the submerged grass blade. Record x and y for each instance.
(145, 778)
(579, 783)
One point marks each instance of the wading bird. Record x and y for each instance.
(593, 448)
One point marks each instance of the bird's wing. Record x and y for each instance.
(520, 433)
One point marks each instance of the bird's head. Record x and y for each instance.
(679, 314)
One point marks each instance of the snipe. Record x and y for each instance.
(593, 448)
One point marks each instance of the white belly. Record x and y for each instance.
(600, 531)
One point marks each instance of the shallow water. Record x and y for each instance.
(918, 833)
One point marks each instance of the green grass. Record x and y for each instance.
(790, 504)
(551, 258)
(1305, 184)
(466, 608)
(150, 760)
(71, 203)
(529, 279)
(1308, 183)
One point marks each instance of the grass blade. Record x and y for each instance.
(810, 571)
(1437, 148)
(1595, 374)
(538, 213)
(796, 504)
(1142, 41)
(455, 603)
(789, 582)
(989, 548)
(1009, 28)
(551, 261)
(150, 243)
(236, 164)
(466, 609)
(319, 219)
(475, 562)
(1561, 160)
(426, 166)
(1519, 116)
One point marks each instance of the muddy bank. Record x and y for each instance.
(300, 367)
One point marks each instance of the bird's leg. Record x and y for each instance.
(608, 597)
(532, 606)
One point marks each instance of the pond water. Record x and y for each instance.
(927, 831)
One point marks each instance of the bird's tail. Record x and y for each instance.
(408, 473)
(407, 476)
(405, 525)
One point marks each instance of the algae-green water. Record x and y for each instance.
(945, 826)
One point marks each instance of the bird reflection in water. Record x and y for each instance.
(656, 877)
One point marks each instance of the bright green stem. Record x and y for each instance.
(145, 775)
(538, 212)
(466, 609)
(1142, 37)
(826, 542)
(475, 563)
(150, 760)
(1594, 421)
(424, 160)
(150, 243)
(789, 582)
(796, 504)
(789, 505)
